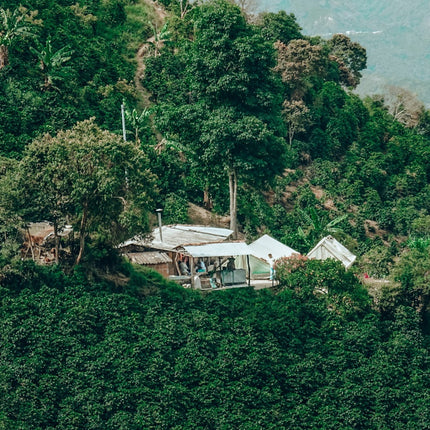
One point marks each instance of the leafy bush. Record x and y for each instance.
(308, 277)
(377, 261)
(143, 356)
(175, 209)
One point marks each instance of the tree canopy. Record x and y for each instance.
(230, 119)
(87, 177)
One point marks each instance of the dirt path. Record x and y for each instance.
(160, 16)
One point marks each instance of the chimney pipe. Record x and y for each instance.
(159, 223)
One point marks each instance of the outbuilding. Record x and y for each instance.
(220, 271)
(329, 247)
(259, 259)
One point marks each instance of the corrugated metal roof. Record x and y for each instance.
(224, 249)
(179, 235)
(148, 258)
(329, 247)
(266, 245)
(46, 229)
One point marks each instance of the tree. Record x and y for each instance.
(229, 114)
(14, 24)
(88, 177)
(279, 26)
(404, 106)
(296, 115)
(299, 63)
(351, 58)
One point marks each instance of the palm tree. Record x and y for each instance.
(13, 24)
(51, 62)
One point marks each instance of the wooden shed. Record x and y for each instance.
(158, 261)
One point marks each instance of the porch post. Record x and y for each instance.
(249, 271)
(192, 270)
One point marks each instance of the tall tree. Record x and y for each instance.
(300, 63)
(230, 115)
(85, 176)
(279, 26)
(404, 106)
(351, 58)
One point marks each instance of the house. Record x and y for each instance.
(39, 242)
(170, 240)
(259, 260)
(329, 247)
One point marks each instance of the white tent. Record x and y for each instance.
(259, 255)
(329, 247)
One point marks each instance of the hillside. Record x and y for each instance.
(109, 114)
(79, 354)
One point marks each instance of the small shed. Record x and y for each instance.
(39, 241)
(158, 261)
(259, 259)
(329, 247)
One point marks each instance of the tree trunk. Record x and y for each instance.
(232, 183)
(4, 56)
(57, 242)
(290, 134)
(30, 241)
(82, 234)
(207, 201)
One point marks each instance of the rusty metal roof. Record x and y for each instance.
(148, 258)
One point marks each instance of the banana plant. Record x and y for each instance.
(315, 226)
(52, 62)
(13, 24)
(138, 121)
(159, 38)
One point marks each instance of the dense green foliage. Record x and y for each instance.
(86, 177)
(225, 111)
(217, 108)
(94, 356)
(42, 92)
(225, 107)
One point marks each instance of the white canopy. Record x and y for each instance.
(177, 235)
(223, 249)
(259, 261)
(329, 247)
(266, 245)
